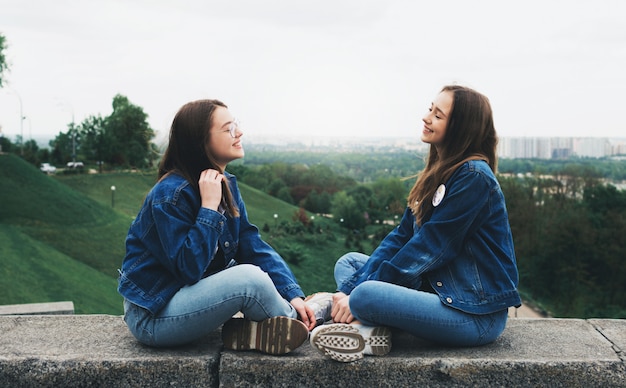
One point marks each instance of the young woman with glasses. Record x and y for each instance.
(193, 260)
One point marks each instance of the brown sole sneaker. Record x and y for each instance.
(277, 335)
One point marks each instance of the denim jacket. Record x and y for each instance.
(464, 251)
(174, 240)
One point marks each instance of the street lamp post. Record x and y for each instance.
(112, 196)
(67, 105)
(21, 126)
(21, 120)
(74, 141)
(30, 132)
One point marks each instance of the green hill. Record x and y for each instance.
(31, 271)
(57, 244)
(310, 255)
(62, 237)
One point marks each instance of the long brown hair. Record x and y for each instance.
(187, 152)
(470, 135)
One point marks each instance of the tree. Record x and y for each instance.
(93, 140)
(61, 148)
(318, 203)
(346, 211)
(389, 198)
(4, 66)
(275, 186)
(128, 134)
(568, 234)
(607, 206)
(6, 145)
(31, 152)
(284, 195)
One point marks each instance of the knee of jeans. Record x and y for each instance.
(362, 301)
(139, 323)
(243, 271)
(247, 268)
(491, 326)
(253, 276)
(342, 261)
(346, 263)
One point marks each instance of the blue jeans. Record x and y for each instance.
(419, 313)
(199, 309)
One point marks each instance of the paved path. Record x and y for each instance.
(524, 311)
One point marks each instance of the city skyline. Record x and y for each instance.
(508, 146)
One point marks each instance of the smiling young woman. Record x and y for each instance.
(448, 272)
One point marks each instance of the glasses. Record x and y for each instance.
(233, 127)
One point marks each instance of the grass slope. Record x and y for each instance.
(46, 222)
(311, 255)
(32, 271)
(61, 238)
(130, 189)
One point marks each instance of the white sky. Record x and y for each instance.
(319, 67)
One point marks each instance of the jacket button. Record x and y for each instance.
(439, 284)
(449, 300)
(226, 244)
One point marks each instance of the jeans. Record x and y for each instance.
(198, 309)
(419, 313)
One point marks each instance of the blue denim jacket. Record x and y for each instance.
(464, 251)
(173, 241)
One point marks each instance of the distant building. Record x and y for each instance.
(525, 148)
(592, 147)
(618, 149)
(559, 147)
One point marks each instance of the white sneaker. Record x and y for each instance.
(322, 305)
(345, 343)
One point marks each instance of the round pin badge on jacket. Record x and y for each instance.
(438, 197)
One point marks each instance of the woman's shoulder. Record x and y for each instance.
(171, 180)
(478, 165)
(170, 185)
(477, 168)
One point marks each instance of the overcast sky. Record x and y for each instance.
(320, 67)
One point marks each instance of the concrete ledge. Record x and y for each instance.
(38, 308)
(98, 350)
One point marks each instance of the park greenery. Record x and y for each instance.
(568, 230)
(62, 236)
(569, 224)
(121, 139)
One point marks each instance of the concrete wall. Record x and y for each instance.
(98, 350)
